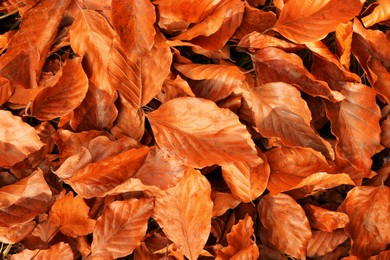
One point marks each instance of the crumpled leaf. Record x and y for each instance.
(325, 220)
(120, 229)
(371, 206)
(212, 81)
(240, 244)
(70, 214)
(311, 21)
(17, 139)
(381, 13)
(198, 133)
(293, 236)
(58, 251)
(279, 111)
(186, 208)
(22, 201)
(65, 96)
(136, 31)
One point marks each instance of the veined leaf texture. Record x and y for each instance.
(194, 129)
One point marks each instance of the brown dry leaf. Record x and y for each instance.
(385, 134)
(198, 133)
(96, 112)
(297, 164)
(384, 255)
(279, 111)
(98, 178)
(323, 242)
(70, 214)
(246, 183)
(355, 123)
(27, 50)
(17, 139)
(42, 234)
(371, 206)
(120, 229)
(136, 31)
(274, 65)
(22, 201)
(63, 97)
(212, 81)
(184, 213)
(291, 237)
(174, 88)
(176, 16)
(222, 202)
(381, 13)
(379, 77)
(59, 251)
(325, 220)
(91, 37)
(310, 21)
(240, 244)
(258, 40)
(255, 20)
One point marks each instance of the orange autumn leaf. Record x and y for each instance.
(136, 31)
(240, 243)
(311, 21)
(371, 206)
(57, 251)
(201, 134)
(294, 235)
(324, 219)
(380, 13)
(17, 139)
(120, 229)
(182, 209)
(323, 242)
(65, 96)
(70, 214)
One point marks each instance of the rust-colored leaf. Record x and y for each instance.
(14, 234)
(240, 244)
(198, 133)
(184, 209)
(325, 220)
(58, 251)
(274, 65)
(17, 139)
(22, 201)
(291, 237)
(279, 111)
(65, 96)
(120, 229)
(136, 31)
(371, 206)
(246, 183)
(70, 214)
(222, 202)
(310, 21)
(323, 242)
(380, 13)
(212, 81)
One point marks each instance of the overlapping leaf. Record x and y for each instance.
(310, 21)
(198, 133)
(120, 228)
(65, 96)
(380, 13)
(324, 219)
(17, 139)
(323, 242)
(182, 209)
(371, 206)
(58, 251)
(294, 235)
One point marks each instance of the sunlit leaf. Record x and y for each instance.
(325, 220)
(182, 209)
(381, 13)
(198, 133)
(58, 251)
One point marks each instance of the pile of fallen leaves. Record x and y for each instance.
(186, 129)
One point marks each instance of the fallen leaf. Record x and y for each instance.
(323, 242)
(58, 251)
(325, 220)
